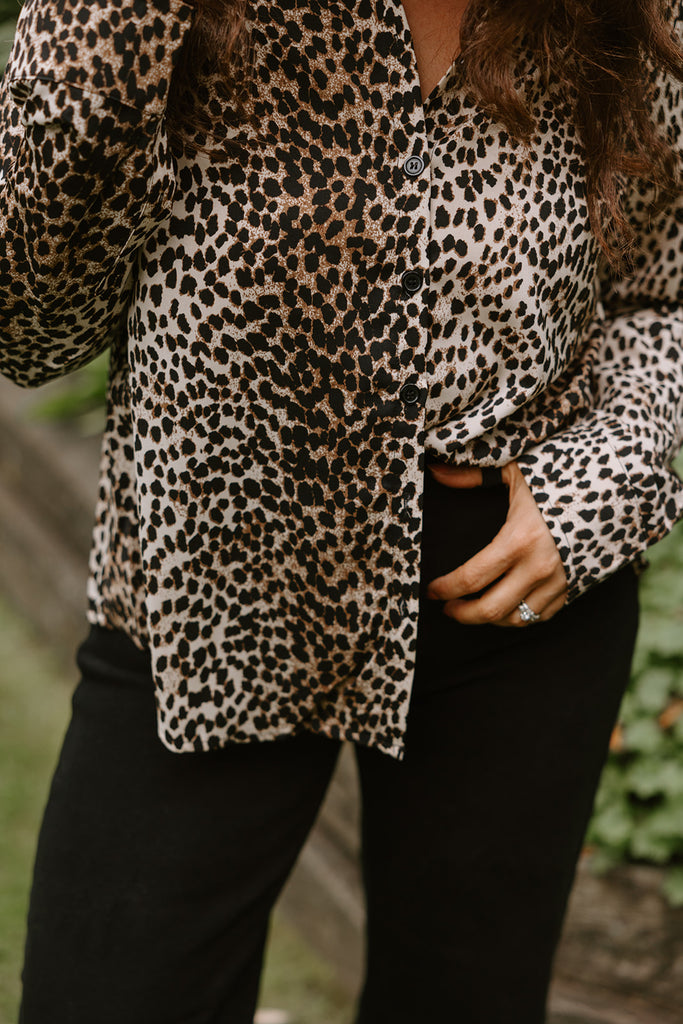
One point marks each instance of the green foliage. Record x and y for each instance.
(80, 397)
(9, 9)
(33, 713)
(6, 33)
(638, 813)
(673, 887)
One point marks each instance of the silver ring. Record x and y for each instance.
(527, 614)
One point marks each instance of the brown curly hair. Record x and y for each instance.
(599, 51)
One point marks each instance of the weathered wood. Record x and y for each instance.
(621, 935)
(577, 1003)
(48, 486)
(323, 897)
(41, 574)
(53, 468)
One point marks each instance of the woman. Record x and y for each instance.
(396, 363)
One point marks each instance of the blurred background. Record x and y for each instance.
(621, 958)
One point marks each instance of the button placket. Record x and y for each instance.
(413, 194)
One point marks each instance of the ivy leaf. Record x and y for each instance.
(659, 834)
(653, 689)
(667, 589)
(613, 827)
(672, 886)
(662, 634)
(656, 849)
(629, 710)
(643, 736)
(650, 777)
(612, 788)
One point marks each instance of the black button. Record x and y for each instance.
(403, 607)
(414, 166)
(412, 281)
(410, 394)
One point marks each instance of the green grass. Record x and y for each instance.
(296, 980)
(34, 708)
(34, 704)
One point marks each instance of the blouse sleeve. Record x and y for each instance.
(605, 485)
(85, 172)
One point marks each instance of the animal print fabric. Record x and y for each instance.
(361, 279)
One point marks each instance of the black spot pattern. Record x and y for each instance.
(259, 514)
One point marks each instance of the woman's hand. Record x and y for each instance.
(523, 554)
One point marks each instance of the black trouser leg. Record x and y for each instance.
(156, 872)
(470, 844)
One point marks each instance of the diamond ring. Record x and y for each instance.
(527, 614)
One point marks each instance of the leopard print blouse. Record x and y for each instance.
(362, 279)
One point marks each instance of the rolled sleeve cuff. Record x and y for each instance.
(590, 504)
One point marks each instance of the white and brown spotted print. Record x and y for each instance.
(363, 279)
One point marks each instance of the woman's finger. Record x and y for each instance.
(534, 601)
(499, 605)
(477, 572)
(545, 600)
(516, 542)
(522, 556)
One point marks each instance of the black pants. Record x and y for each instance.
(156, 871)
